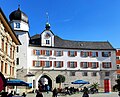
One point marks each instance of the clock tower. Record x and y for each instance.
(47, 36)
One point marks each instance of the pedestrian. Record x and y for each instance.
(4, 94)
(39, 94)
(10, 94)
(24, 95)
(85, 94)
(55, 92)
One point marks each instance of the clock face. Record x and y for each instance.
(47, 35)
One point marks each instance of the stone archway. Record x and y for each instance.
(43, 82)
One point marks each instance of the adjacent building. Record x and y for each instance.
(42, 57)
(118, 62)
(8, 45)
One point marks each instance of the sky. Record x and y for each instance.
(78, 20)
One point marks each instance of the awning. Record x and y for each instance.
(2, 82)
(17, 82)
(80, 82)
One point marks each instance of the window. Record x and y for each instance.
(37, 52)
(84, 74)
(84, 54)
(106, 54)
(72, 64)
(94, 74)
(118, 66)
(3, 44)
(106, 64)
(58, 53)
(84, 64)
(94, 64)
(58, 64)
(107, 73)
(72, 73)
(6, 48)
(47, 64)
(17, 61)
(118, 75)
(117, 58)
(6, 68)
(47, 41)
(17, 48)
(2, 66)
(94, 54)
(47, 53)
(37, 63)
(72, 53)
(17, 25)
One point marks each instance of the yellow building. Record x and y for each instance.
(8, 46)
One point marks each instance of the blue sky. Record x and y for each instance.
(80, 20)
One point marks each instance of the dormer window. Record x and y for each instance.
(17, 25)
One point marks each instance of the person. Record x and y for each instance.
(10, 94)
(55, 92)
(39, 94)
(24, 95)
(85, 94)
(4, 94)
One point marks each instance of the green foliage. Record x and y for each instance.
(95, 85)
(60, 79)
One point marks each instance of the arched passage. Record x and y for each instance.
(45, 83)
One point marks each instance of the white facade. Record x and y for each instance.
(48, 56)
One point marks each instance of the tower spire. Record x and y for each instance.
(47, 26)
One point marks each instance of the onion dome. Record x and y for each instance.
(18, 15)
(47, 26)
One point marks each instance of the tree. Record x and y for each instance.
(60, 79)
(117, 86)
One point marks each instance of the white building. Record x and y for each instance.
(46, 55)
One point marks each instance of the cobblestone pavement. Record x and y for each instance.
(112, 94)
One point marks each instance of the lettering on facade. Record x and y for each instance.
(50, 58)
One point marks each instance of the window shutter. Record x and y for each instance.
(62, 53)
(97, 64)
(110, 65)
(33, 63)
(96, 54)
(68, 53)
(50, 52)
(34, 52)
(81, 53)
(41, 62)
(109, 54)
(54, 53)
(102, 54)
(81, 64)
(50, 63)
(69, 64)
(75, 64)
(41, 52)
(75, 53)
(103, 65)
(90, 64)
(54, 63)
(61, 63)
(90, 54)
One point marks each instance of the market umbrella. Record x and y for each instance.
(80, 82)
(2, 82)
